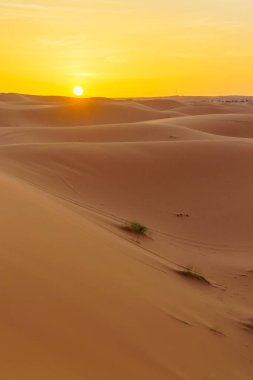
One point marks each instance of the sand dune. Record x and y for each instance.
(157, 130)
(82, 298)
(233, 125)
(154, 180)
(75, 112)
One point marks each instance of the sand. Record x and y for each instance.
(82, 298)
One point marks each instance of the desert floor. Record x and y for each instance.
(82, 298)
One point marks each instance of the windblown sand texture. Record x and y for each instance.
(81, 297)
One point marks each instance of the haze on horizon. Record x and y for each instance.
(127, 47)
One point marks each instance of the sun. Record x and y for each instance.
(78, 91)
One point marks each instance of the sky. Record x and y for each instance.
(123, 48)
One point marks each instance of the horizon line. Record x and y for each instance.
(125, 97)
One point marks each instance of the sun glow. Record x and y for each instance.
(78, 91)
(206, 49)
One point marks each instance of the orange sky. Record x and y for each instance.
(127, 47)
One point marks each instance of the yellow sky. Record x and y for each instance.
(127, 47)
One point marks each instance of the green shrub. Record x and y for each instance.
(137, 228)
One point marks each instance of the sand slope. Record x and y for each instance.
(81, 298)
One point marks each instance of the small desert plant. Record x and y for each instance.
(137, 228)
(189, 271)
